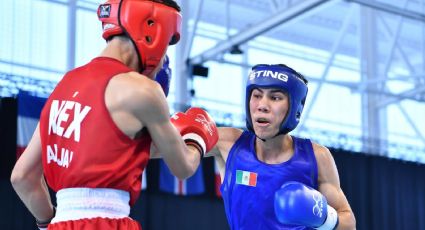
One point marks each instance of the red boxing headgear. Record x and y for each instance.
(151, 25)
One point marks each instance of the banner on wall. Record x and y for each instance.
(194, 185)
(29, 110)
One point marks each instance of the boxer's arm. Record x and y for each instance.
(329, 186)
(163, 77)
(227, 138)
(151, 108)
(154, 152)
(28, 181)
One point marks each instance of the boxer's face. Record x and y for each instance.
(268, 108)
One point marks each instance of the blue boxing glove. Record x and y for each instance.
(297, 204)
(163, 77)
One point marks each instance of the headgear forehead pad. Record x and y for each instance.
(285, 79)
(151, 25)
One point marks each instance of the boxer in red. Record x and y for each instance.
(96, 129)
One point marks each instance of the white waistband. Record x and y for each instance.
(79, 203)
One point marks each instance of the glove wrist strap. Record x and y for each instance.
(331, 221)
(197, 141)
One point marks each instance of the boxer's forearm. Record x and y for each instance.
(36, 198)
(347, 221)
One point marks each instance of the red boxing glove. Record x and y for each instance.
(196, 127)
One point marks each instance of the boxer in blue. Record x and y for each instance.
(270, 179)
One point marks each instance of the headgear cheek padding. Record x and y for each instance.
(283, 78)
(150, 25)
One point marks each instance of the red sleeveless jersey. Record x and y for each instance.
(81, 145)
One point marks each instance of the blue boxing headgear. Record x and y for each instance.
(283, 78)
(163, 77)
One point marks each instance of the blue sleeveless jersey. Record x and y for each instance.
(249, 185)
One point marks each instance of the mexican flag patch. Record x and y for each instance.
(246, 178)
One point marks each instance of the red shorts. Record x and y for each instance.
(97, 223)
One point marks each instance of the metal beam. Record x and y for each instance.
(224, 61)
(361, 86)
(411, 123)
(393, 43)
(72, 34)
(372, 119)
(33, 67)
(423, 41)
(394, 39)
(355, 87)
(191, 36)
(274, 6)
(390, 9)
(411, 94)
(337, 43)
(227, 18)
(279, 18)
(180, 72)
(80, 7)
